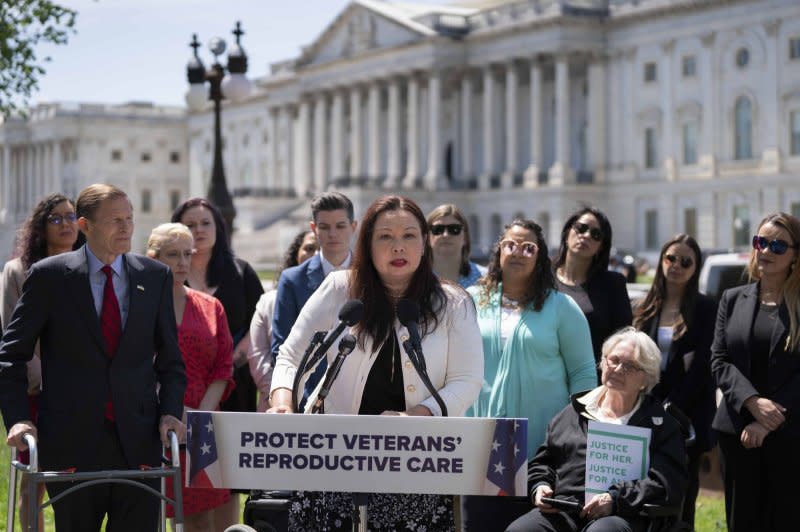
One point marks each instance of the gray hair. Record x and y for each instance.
(165, 234)
(645, 352)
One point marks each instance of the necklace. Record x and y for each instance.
(507, 302)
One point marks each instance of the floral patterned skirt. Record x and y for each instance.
(329, 512)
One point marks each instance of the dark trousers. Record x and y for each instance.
(692, 488)
(760, 484)
(129, 509)
(489, 514)
(536, 521)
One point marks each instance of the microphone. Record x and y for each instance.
(351, 313)
(408, 314)
(346, 346)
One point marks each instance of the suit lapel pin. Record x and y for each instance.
(140, 287)
(658, 421)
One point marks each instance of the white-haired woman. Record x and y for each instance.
(207, 348)
(630, 368)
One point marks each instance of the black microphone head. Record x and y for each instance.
(351, 312)
(347, 343)
(407, 311)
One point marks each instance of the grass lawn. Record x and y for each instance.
(710, 505)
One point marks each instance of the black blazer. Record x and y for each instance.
(730, 363)
(56, 308)
(611, 307)
(692, 389)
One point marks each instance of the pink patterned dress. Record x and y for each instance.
(207, 347)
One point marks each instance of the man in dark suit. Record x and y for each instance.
(106, 325)
(333, 223)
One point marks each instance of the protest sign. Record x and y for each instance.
(373, 454)
(615, 453)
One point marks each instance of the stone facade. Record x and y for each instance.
(139, 147)
(670, 115)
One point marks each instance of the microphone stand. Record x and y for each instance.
(317, 339)
(418, 360)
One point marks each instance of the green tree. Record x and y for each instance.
(24, 24)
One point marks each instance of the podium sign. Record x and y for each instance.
(371, 454)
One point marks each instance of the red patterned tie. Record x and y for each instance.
(110, 324)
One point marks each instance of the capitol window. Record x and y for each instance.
(650, 72)
(742, 57)
(146, 157)
(690, 143)
(794, 133)
(174, 199)
(794, 48)
(116, 155)
(147, 200)
(689, 66)
(174, 156)
(743, 129)
(650, 156)
(651, 229)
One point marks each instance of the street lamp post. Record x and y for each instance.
(234, 86)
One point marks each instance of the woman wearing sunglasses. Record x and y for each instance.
(51, 229)
(681, 321)
(582, 273)
(451, 246)
(755, 361)
(537, 352)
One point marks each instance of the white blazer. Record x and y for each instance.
(453, 353)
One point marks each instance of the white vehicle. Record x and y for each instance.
(723, 271)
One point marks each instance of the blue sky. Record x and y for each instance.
(137, 49)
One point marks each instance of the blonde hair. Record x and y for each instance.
(645, 352)
(791, 286)
(166, 234)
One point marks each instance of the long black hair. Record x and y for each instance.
(600, 259)
(221, 263)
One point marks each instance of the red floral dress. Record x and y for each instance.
(207, 347)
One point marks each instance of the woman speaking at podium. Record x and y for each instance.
(392, 260)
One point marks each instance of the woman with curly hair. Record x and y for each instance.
(303, 247)
(537, 352)
(51, 229)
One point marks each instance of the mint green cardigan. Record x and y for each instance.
(548, 358)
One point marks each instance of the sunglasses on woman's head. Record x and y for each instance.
(439, 229)
(594, 232)
(58, 219)
(685, 262)
(777, 246)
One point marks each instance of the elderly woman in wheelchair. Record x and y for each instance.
(630, 368)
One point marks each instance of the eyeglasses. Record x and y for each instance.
(526, 249)
(614, 363)
(453, 229)
(594, 232)
(778, 247)
(685, 262)
(58, 219)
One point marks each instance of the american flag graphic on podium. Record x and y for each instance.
(202, 468)
(508, 458)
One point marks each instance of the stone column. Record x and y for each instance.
(337, 136)
(412, 131)
(466, 127)
(320, 151)
(393, 163)
(560, 172)
(30, 178)
(708, 149)
(511, 171)
(488, 129)
(629, 155)
(435, 160)
(5, 184)
(667, 104)
(374, 133)
(535, 165)
(302, 155)
(356, 167)
(771, 152)
(274, 182)
(597, 118)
